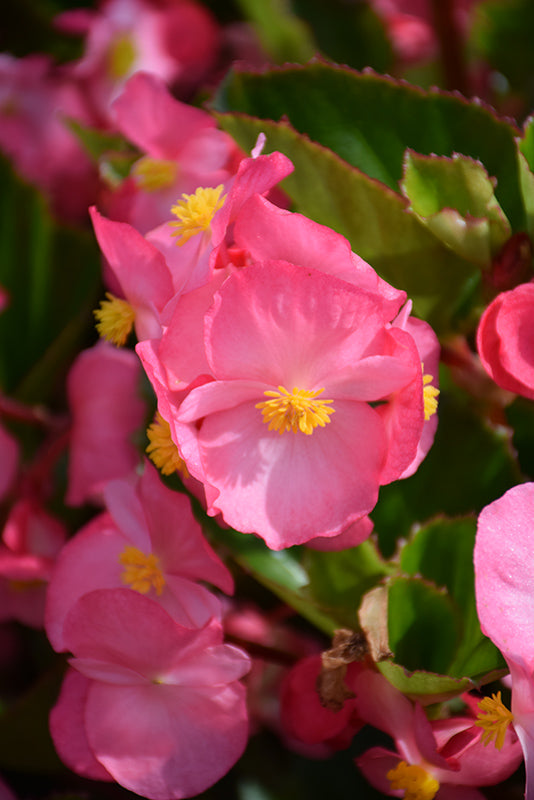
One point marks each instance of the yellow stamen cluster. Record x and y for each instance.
(142, 572)
(430, 395)
(121, 56)
(114, 319)
(494, 719)
(195, 212)
(152, 174)
(162, 450)
(295, 411)
(414, 780)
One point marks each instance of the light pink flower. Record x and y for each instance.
(278, 325)
(157, 707)
(149, 541)
(102, 388)
(182, 150)
(505, 340)
(504, 582)
(175, 40)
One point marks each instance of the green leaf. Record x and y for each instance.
(423, 629)
(455, 199)
(339, 580)
(372, 217)
(424, 686)
(97, 143)
(443, 553)
(370, 120)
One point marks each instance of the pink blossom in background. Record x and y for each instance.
(149, 541)
(36, 101)
(177, 40)
(504, 583)
(276, 325)
(102, 387)
(182, 150)
(9, 461)
(31, 540)
(152, 705)
(410, 24)
(505, 340)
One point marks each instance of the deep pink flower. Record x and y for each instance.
(106, 411)
(157, 706)
(31, 541)
(505, 340)
(148, 541)
(9, 461)
(444, 758)
(35, 103)
(504, 582)
(279, 331)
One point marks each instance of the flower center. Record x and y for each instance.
(142, 572)
(414, 780)
(121, 56)
(430, 395)
(494, 719)
(152, 174)
(295, 411)
(162, 450)
(195, 212)
(114, 319)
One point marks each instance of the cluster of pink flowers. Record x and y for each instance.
(444, 758)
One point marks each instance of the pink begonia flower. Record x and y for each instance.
(175, 39)
(153, 272)
(5, 792)
(182, 150)
(505, 340)
(31, 541)
(268, 232)
(35, 105)
(410, 24)
(148, 541)
(277, 337)
(304, 718)
(9, 461)
(157, 706)
(102, 388)
(504, 583)
(443, 759)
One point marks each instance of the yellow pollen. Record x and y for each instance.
(430, 395)
(152, 174)
(142, 572)
(295, 411)
(114, 319)
(494, 719)
(121, 56)
(414, 780)
(162, 450)
(195, 212)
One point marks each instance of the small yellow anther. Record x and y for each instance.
(195, 212)
(152, 174)
(416, 782)
(162, 450)
(114, 319)
(494, 718)
(430, 395)
(295, 411)
(121, 56)
(142, 572)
